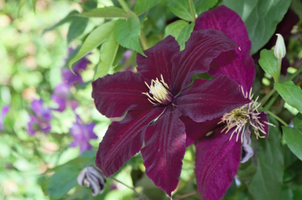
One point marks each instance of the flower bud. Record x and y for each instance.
(279, 50)
(92, 177)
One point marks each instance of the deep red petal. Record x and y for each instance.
(217, 162)
(210, 100)
(124, 139)
(202, 47)
(238, 64)
(195, 130)
(158, 60)
(115, 94)
(164, 150)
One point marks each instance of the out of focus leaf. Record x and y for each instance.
(260, 18)
(298, 193)
(296, 5)
(175, 28)
(291, 93)
(204, 5)
(293, 136)
(105, 12)
(143, 5)
(76, 28)
(184, 35)
(181, 8)
(108, 53)
(268, 62)
(267, 182)
(21, 4)
(286, 193)
(34, 2)
(127, 32)
(70, 17)
(94, 39)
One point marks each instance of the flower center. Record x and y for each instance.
(243, 116)
(159, 92)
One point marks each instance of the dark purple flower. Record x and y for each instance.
(4, 112)
(218, 155)
(156, 98)
(82, 133)
(40, 120)
(62, 97)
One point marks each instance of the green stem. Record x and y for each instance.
(277, 118)
(279, 70)
(295, 74)
(263, 101)
(271, 102)
(124, 5)
(192, 11)
(143, 40)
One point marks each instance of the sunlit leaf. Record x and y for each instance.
(267, 182)
(269, 63)
(94, 39)
(143, 5)
(108, 53)
(184, 35)
(127, 32)
(260, 17)
(175, 28)
(291, 93)
(105, 12)
(76, 28)
(182, 9)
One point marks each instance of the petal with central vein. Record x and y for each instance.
(164, 150)
(217, 162)
(118, 93)
(209, 100)
(202, 47)
(124, 139)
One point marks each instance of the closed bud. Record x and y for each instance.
(279, 50)
(92, 177)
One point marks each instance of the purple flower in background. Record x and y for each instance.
(72, 78)
(62, 97)
(4, 112)
(218, 156)
(156, 98)
(40, 120)
(82, 134)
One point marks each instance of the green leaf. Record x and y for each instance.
(34, 2)
(175, 28)
(106, 12)
(291, 93)
(94, 39)
(267, 182)
(21, 4)
(181, 8)
(143, 5)
(269, 63)
(184, 35)
(108, 53)
(293, 136)
(204, 5)
(127, 32)
(76, 28)
(260, 17)
(70, 17)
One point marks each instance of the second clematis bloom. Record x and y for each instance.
(218, 155)
(156, 98)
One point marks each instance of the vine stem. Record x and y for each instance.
(277, 118)
(186, 195)
(124, 5)
(138, 194)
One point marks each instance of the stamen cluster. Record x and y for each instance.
(159, 92)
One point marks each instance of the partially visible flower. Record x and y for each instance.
(4, 111)
(279, 49)
(218, 154)
(82, 133)
(62, 97)
(156, 98)
(92, 177)
(40, 120)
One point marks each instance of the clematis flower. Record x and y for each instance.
(61, 96)
(218, 155)
(82, 134)
(154, 100)
(40, 120)
(4, 112)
